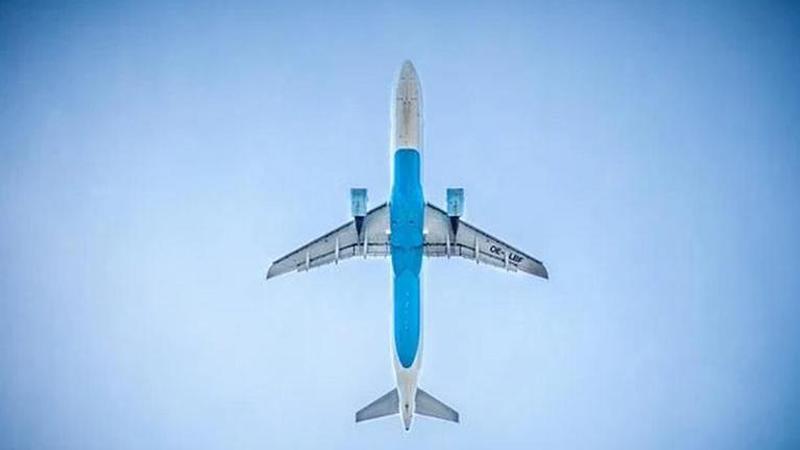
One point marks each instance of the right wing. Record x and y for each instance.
(341, 243)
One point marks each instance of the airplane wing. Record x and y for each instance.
(446, 237)
(342, 243)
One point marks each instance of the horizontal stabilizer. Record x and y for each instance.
(385, 406)
(427, 405)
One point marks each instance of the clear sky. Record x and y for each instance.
(155, 157)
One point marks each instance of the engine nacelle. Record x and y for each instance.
(455, 202)
(358, 206)
(455, 207)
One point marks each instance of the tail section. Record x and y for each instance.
(428, 405)
(424, 404)
(387, 405)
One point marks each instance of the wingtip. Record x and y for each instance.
(543, 272)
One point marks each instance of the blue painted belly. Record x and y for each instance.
(407, 208)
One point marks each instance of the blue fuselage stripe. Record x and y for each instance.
(407, 208)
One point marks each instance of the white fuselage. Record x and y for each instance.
(407, 216)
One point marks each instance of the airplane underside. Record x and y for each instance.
(395, 229)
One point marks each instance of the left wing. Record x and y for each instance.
(341, 243)
(448, 236)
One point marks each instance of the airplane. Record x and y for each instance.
(406, 228)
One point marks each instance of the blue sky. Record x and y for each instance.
(155, 157)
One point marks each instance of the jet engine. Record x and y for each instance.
(455, 207)
(358, 207)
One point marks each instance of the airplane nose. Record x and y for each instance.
(408, 85)
(408, 72)
(407, 114)
(409, 80)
